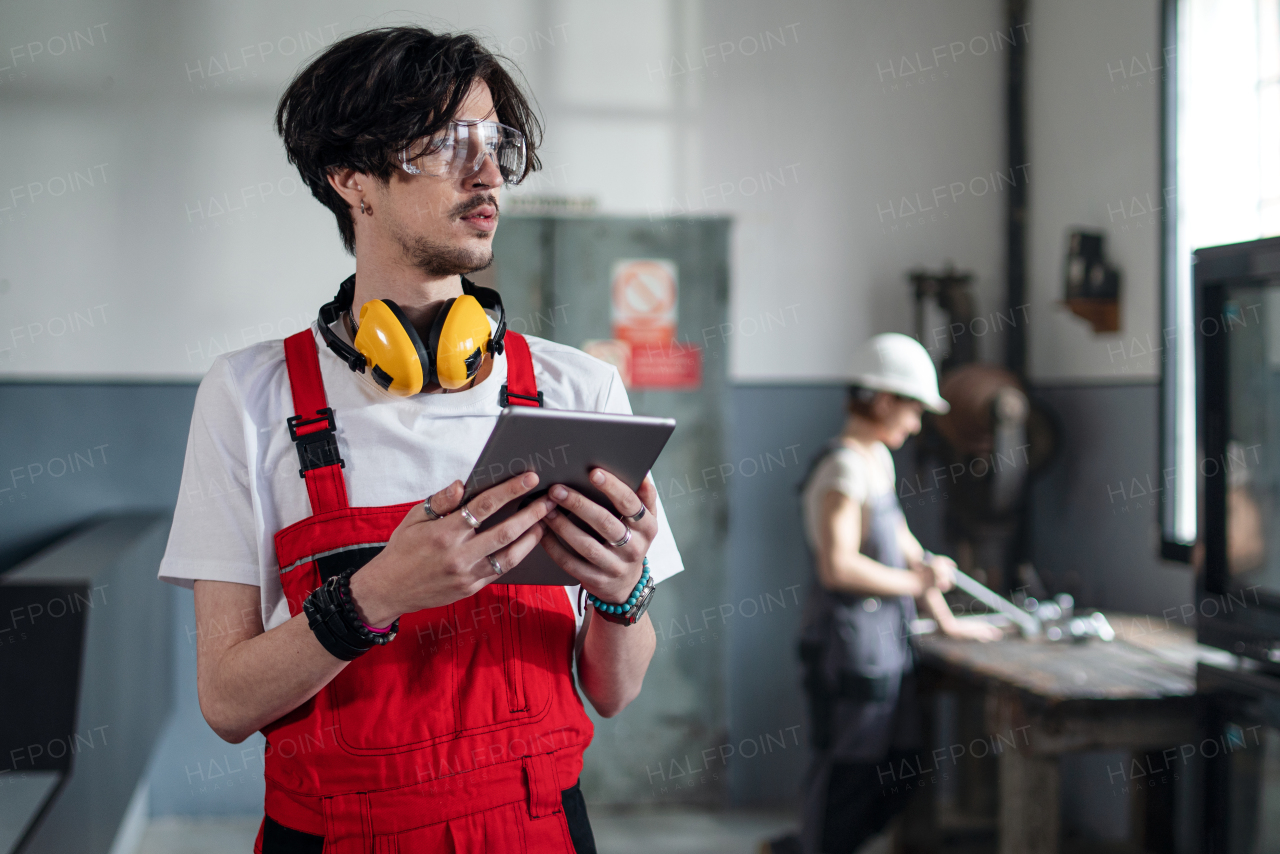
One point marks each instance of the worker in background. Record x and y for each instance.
(871, 572)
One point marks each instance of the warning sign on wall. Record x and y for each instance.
(644, 294)
(672, 366)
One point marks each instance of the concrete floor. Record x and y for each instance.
(667, 831)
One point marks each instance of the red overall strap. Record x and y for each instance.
(521, 388)
(312, 426)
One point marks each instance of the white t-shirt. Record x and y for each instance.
(850, 472)
(240, 482)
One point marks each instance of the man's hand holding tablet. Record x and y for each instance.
(609, 571)
(601, 460)
(513, 522)
(435, 557)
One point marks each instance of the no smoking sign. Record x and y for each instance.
(644, 297)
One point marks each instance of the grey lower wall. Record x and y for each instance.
(769, 562)
(1095, 516)
(1091, 536)
(75, 450)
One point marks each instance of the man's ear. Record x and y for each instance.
(349, 184)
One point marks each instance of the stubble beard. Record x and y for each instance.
(437, 259)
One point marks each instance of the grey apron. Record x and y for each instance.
(857, 660)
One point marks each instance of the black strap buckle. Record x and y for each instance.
(504, 397)
(317, 448)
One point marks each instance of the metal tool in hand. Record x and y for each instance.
(1027, 623)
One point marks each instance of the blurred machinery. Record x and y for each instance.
(989, 446)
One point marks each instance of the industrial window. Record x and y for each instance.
(1221, 165)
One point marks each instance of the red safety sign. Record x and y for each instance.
(645, 294)
(674, 366)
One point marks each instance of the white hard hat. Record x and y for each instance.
(899, 364)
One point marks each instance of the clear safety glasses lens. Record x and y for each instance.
(460, 150)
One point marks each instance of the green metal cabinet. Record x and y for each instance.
(554, 276)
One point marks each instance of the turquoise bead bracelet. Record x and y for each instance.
(608, 608)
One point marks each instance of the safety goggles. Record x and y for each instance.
(460, 149)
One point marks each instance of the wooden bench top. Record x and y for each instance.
(1149, 659)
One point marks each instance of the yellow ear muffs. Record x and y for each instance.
(394, 352)
(398, 361)
(458, 341)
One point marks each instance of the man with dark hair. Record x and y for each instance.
(408, 703)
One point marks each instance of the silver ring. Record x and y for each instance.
(470, 520)
(626, 538)
(497, 567)
(639, 514)
(432, 516)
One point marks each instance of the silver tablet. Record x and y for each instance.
(562, 447)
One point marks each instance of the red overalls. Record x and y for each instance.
(461, 733)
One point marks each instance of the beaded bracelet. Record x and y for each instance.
(601, 605)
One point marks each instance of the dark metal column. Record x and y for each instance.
(1016, 215)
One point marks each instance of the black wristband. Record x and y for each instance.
(325, 618)
(342, 589)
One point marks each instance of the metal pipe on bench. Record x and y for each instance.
(1028, 623)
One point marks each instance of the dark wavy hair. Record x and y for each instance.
(359, 103)
(861, 400)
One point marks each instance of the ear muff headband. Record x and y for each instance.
(329, 314)
(490, 300)
(387, 343)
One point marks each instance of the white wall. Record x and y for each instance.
(1095, 78)
(802, 122)
(150, 271)
(797, 119)
(867, 145)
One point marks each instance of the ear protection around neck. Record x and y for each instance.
(391, 348)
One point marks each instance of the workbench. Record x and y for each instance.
(1040, 700)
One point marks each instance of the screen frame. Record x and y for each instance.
(1255, 263)
(1214, 401)
(1244, 621)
